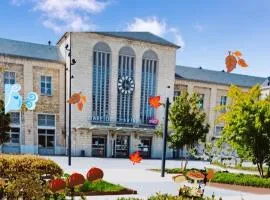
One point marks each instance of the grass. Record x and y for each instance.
(100, 186)
(241, 179)
(251, 168)
(230, 178)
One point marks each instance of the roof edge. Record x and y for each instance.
(109, 35)
(29, 57)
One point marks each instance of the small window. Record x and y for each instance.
(9, 77)
(223, 100)
(46, 85)
(46, 120)
(15, 118)
(201, 101)
(15, 135)
(176, 94)
(218, 131)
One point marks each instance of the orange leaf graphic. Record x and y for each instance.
(135, 158)
(242, 63)
(154, 101)
(230, 63)
(83, 98)
(80, 105)
(210, 174)
(75, 98)
(237, 53)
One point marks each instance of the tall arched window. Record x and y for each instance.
(101, 78)
(148, 85)
(126, 85)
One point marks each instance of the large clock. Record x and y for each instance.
(126, 85)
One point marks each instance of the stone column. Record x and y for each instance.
(113, 86)
(30, 135)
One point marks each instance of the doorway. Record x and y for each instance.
(99, 146)
(122, 146)
(145, 147)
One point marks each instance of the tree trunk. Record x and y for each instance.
(260, 169)
(186, 163)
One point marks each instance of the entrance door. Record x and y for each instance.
(99, 146)
(46, 141)
(122, 146)
(145, 147)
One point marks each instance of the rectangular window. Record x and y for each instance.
(46, 138)
(201, 101)
(218, 131)
(46, 120)
(46, 85)
(176, 94)
(15, 135)
(14, 132)
(15, 118)
(223, 100)
(9, 77)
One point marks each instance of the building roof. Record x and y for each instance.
(30, 50)
(139, 36)
(219, 77)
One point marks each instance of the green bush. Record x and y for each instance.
(241, 179)
(23, 176)
(11, 165)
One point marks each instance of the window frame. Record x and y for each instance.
(46, 128)
(7, 71)
(46, 88)
(15, 126)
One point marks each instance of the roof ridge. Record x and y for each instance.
(26, 42)
(211, 70)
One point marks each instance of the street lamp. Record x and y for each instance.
(165, 134)
(71, 62)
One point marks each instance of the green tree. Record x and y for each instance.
(4, 124)
(247, 125)
(187, 122)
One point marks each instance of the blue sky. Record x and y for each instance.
(206, 29)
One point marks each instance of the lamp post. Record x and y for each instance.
(71, 62)
(165, 134)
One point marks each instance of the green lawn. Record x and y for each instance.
(101, 186)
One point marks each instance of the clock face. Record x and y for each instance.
(126, 85)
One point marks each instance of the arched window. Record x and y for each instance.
(101, 78)
(126, 85)
(148, 85)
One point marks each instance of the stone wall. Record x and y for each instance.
(28, 72)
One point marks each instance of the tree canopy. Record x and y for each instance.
(187, 121)
(247, 125)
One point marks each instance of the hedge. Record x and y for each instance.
(241, 179)
(169, 197)
(15, 164)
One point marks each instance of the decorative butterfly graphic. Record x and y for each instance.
(13, 99)
(155, 101)
(233, 59)
(135, 158)
(79, 99)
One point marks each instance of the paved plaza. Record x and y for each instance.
(138, 177)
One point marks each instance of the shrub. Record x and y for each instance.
(23, 174)
(241, 179)
(11, 165)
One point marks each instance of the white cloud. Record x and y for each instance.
(157, 27)
(66, 15)
(198, 27)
